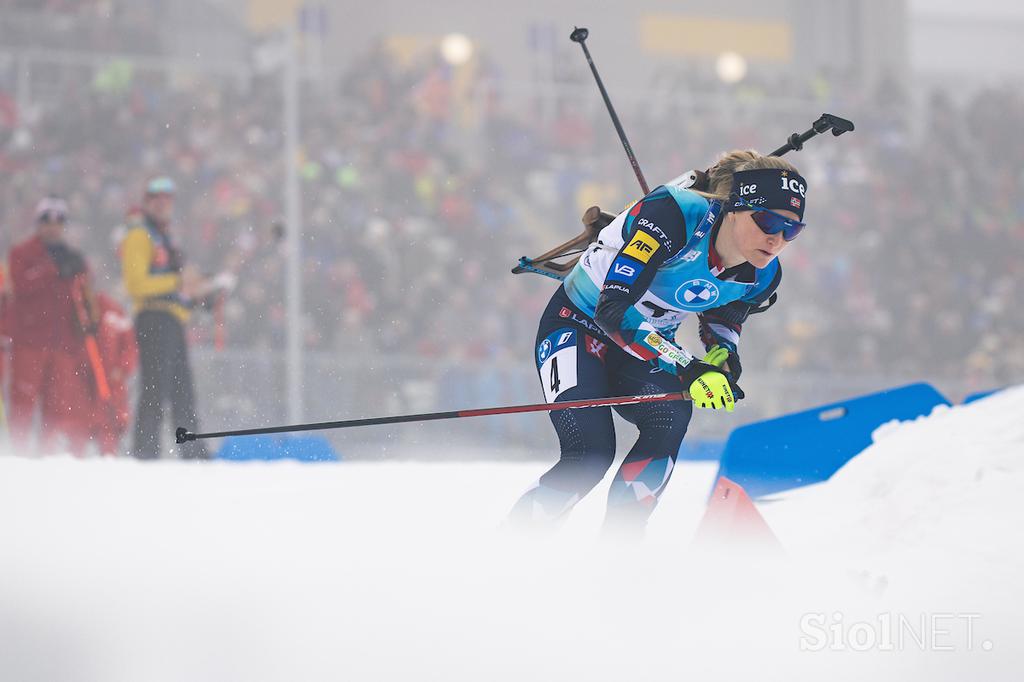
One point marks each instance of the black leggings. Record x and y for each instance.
(577, 361)
(165, 377)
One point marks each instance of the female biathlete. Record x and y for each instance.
(609, 330)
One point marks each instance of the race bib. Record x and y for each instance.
(556, 363)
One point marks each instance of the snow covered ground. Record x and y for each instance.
(906, 566)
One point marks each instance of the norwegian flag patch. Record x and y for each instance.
(595, 347)
(794, 202)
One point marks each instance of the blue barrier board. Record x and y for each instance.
(301, 448)
(808, 447)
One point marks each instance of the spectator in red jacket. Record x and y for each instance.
(116, 338)
(5, 322)
(49, 367)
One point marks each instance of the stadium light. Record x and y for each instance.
(456, 49)
(731, 67)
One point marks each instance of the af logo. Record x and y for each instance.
(696, 294)
(642, 247)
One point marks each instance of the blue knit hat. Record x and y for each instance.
(161, 185)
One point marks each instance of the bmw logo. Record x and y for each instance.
(544, 350)
(697, 294)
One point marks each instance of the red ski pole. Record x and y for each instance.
(183, 435)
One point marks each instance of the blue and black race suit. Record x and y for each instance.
(609, 330)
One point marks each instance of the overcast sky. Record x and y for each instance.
(976, 8)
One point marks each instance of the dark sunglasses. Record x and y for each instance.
(771, 222)
(52, 216)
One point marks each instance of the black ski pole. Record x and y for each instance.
(697, 179)
(579, 35)
(183, 435)
(825, 122)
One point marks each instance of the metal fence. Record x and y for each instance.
(245, 389)
(241, 389)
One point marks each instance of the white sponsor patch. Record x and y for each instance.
(666, 350)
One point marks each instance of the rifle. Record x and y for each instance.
(595, 219)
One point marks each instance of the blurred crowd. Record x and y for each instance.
(423, 183)
(81, 25)
(920, 249)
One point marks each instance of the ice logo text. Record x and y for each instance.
(793, 185)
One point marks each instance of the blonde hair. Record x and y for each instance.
(720, 175)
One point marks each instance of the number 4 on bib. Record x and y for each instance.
(556, 363)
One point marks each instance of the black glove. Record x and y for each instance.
(734, 374)
(737, 392)
(696, 368)
(735, 368)
(69, 262)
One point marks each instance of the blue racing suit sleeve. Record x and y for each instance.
(654, 231)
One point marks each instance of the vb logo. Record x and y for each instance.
(626, 270)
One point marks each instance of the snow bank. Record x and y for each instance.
(942, 489)
(117, 570)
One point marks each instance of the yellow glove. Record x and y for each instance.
(716, 356)
(708, 387)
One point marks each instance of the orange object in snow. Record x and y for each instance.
(732, 519)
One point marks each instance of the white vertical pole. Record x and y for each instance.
(23, 85)
(293, 222)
